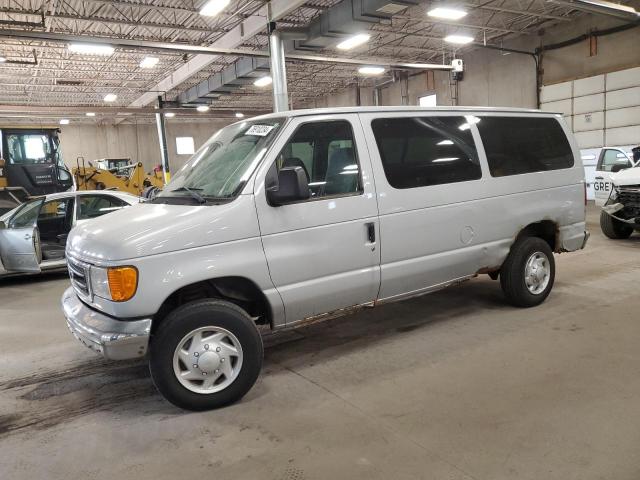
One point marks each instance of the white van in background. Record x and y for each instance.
(599, 165)
(297, 216)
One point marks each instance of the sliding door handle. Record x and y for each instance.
(371, 232)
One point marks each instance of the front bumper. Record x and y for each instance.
(113, 339)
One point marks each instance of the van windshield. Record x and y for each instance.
(221, 167)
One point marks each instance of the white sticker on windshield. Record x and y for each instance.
(259, 130)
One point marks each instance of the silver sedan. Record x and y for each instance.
(33, 235)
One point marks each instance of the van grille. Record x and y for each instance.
(79, 275)
(629, 197)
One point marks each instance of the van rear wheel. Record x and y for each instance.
(613, 228)
(528, 273)
(205, 354)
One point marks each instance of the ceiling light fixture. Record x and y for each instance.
(64, 121)
(3, 59)
(371, 70)
(90, 114)
(110, 97)
(91, 49)
(263, 81)
(458, 39)
(213, 7)
(353, 42)
(239, 115)
(149, 62)
(202, 108)
(169, 115)
(447, 13)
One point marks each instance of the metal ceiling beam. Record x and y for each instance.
(518, 12)
(107, 20)
(234, 38)
(64, 110)
(211, 52)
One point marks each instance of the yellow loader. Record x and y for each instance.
(117, 174)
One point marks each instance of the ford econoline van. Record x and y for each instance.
(297, 216)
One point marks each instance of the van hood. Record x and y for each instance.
(151, 229)
(629, 176)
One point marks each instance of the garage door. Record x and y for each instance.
(603, 110)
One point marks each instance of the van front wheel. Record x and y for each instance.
(205, 354)
(528, 273)
(614, 228)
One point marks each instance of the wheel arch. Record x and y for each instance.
(238, 290)
(548, 230)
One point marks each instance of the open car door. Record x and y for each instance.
(20, 240)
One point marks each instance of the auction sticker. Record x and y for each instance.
(259, 130)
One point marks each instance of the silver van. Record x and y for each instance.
(292, 217)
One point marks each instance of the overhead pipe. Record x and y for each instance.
(601, 7)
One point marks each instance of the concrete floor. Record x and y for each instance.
(455, 385)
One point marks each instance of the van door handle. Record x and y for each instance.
(371, 232)
(599, 178)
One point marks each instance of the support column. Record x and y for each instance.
(162, 137)
(278, 70)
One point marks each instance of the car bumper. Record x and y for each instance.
(113, 339)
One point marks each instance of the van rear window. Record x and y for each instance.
(516, 145)
(423, 151)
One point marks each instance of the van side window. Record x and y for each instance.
(326, 152)
(423, 151)
(610, 158)
(516, 145)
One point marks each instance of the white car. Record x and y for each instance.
(42, 224)
(298, 216)
(610, 161)
(620, 215)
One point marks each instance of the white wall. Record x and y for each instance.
(138, 142)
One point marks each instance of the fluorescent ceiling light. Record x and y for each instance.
(91, 49)
(110, 97)
(448, 13)
(169, 115)
(263, 81)
(458, 39)
(64, 121)
(149, 62)
(371, 70)
(202, 108)
(353, 42)
(90, 114)
(445, 142)
(3, 59)
(239, 115)
(213, 7)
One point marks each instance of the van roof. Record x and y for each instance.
(334, 110)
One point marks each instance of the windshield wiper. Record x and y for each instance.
(191, 191)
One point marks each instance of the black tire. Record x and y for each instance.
(512, 273)
(614, 229)
(190, 317)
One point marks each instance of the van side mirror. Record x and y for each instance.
(288, 185)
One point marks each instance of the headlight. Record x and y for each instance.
(118, 284)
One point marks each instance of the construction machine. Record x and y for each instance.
(30, 164)
(117, 174)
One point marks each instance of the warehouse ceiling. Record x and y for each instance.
(46, 73)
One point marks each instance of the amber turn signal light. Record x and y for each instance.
(123, 282)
